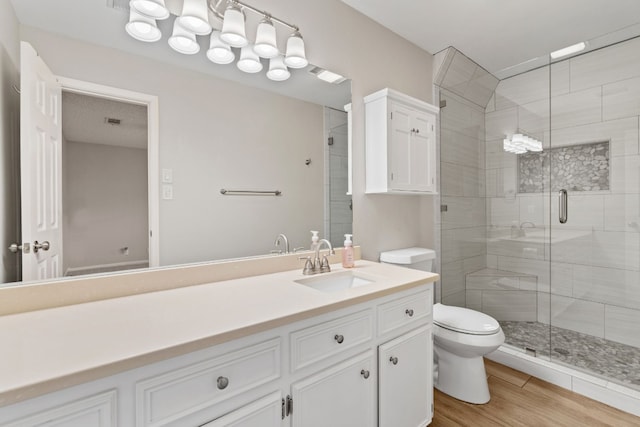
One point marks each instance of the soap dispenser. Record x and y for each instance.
(347, 252)
(314, 240)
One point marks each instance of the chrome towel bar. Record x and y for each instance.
(250, 192)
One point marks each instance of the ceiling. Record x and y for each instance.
(85, 120)
(500, 34)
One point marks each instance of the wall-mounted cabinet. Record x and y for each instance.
(400, 139)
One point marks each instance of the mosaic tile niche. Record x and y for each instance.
(582, 167)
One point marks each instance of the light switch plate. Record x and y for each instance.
(167, 192)
(167, 176)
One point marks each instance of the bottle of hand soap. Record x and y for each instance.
(347, 252)
(314, 240)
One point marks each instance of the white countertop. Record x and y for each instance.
(46, 350)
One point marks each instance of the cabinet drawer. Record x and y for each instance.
(178, 393)
(95, 411)
(310, 345)
(408, 310)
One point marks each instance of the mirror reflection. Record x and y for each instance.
(214, 133)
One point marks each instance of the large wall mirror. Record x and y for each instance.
(218, 129)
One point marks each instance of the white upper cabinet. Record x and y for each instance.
(400, 144)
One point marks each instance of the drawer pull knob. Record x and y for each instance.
(339, 339)
(364, 373)
(409, 312)
(393, 360)
(222, 382)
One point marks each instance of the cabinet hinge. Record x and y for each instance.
(289, 405)
(391, 176)
(392, 115)
(432, 128)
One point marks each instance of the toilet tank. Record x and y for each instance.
(416, 258)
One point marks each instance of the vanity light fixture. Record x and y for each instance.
(197, 19)
(520, 143)
(569, 50)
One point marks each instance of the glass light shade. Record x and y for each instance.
(295, 57)
(233, 31)
(142, 28)
(183, 40)
(265, 45)
(249, 61)
(155, 9)
(277, 70)
(195, 17)
(219, 52)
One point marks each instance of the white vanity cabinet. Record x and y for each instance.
(400, 141)
(332, 369)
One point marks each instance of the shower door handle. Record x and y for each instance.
(563, 206)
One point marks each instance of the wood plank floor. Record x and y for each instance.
(518, 399)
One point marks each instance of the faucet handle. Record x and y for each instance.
(298, 249)
(324, 265)
(308, 266)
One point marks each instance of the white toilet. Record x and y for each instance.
(461, 337)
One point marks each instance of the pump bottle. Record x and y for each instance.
(347, 252)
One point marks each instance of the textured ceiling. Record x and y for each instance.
(84, 120)
(500, 34)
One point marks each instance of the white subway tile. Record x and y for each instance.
(622, 212)
(621, 99)
(474, 300)
(459, 148)
(453, 278)
(534, 116)
(616, 250)
(501, 123)
(523, 88)
(459, 74)
(457, 299)
(510, 305)
(532, 210)
(463, 212)
(560, 78)
(622, 135)
(503, 211)
(607, 285)
(615, 63)
(621, 325)
(577, 315)
(576, 108)
(625, 174)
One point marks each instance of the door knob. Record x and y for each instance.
(37, 246)
(14, 247)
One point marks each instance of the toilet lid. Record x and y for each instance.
(464, 320)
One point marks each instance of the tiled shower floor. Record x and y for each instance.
(609, 359)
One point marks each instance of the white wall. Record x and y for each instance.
(104, 205)
(9, 142)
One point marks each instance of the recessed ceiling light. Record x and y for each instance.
(569, 50)
(327, 76)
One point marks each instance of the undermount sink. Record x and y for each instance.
(332, 282)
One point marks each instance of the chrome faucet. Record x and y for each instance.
(316, 265)
(282, 238)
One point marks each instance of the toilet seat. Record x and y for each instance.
(464, 320)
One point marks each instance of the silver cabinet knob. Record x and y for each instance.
(409, 312)
(222, 383)
(393, 360)
(365, 373)
(37, 246)
(339, 339)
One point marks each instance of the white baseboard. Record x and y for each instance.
(624, 398)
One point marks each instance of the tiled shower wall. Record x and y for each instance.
(592, 284)
(462, 192)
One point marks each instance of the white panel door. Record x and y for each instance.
(341, 396)
(41, 167)
(405, 394)
(400, 147)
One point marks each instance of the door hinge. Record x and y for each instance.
(443, 103)
(289, 405)
(330, 140)
(432, 128)
(391, 176)
(392, 115)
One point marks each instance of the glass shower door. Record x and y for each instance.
(593, 306)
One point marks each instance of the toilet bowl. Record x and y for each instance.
(461, 338)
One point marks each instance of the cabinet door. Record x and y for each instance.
(406, 380)
(399, 147)
(266, 412)
(342, 396)
(422, 152)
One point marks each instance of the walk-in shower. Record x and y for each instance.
(547, 242)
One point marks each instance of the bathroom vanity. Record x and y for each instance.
(352, 347)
